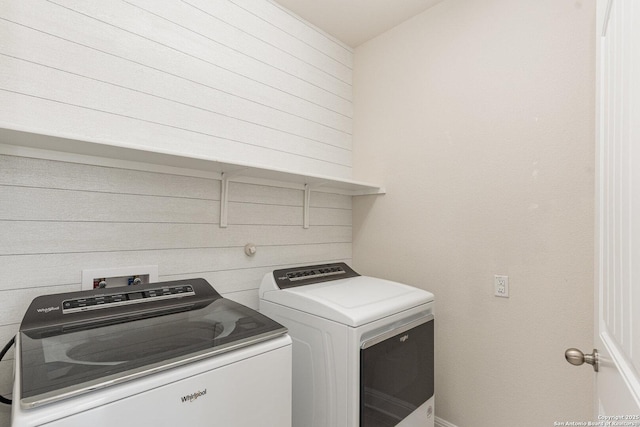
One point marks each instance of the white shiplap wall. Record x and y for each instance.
(57, 218)
(239, 80)
(232, 79)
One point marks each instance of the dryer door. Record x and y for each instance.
(396, 373)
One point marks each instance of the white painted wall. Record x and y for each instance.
(478, 116)
(239, 80)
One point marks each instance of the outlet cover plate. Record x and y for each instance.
(501, 286)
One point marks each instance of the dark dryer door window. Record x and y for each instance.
(396, 374)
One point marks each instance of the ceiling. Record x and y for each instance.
(356, 21)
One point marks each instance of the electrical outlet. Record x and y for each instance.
(501, 286)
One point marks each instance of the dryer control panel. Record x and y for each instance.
(299, 276)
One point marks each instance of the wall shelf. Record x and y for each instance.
(28, 143)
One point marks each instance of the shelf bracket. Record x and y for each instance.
(307, 202)
(224, 200)
(224, 195)
(305, 206)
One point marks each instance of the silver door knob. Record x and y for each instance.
(576, 357)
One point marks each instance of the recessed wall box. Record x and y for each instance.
(119, 276)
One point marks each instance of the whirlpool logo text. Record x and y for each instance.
(194, 396)
(47, 309)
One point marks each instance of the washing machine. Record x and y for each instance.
(162, 354)
(363, 347)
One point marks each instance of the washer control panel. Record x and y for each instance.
(124, 298)
(54, 314)
(298, 276)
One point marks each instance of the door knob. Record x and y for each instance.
(576, 357)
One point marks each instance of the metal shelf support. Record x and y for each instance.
(306, 203)
(224, 196)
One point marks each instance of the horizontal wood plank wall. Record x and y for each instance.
(239, 80)
(58, 218)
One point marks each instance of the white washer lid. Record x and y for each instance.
(354, 301)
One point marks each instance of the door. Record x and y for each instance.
(617, 308)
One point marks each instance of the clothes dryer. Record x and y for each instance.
(363, 347)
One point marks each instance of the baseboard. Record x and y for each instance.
(439, 422)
